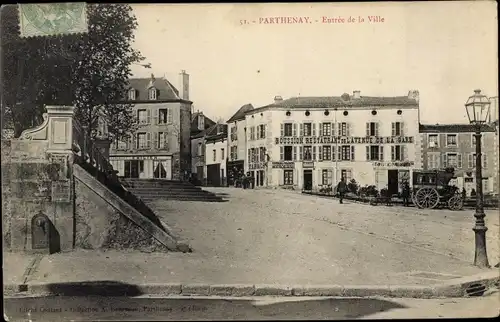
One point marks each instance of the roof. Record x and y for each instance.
(167, 91)
(240, 114)
(344, 101)
(194, 122)
(211, 131)
(453, 128)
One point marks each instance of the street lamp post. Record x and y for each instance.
(478, 109)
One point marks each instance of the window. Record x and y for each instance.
(474, 140)
(288, 129)
(120, 145)
(397, 153)
(200, 148)
(162, 142)
(346, 174)
(201, 122)
(433, 140)
(252, 133)
(234, 152)
(451, 140)
(307, 153)
(142, 116)
(288, 153)
(307, 129)
(131, 94)
(375, 153)
(142, 142)
(327, 152)
(222, 156)
(454, 160)
(262, 152)
(288, 177)
(262, 131)
(326, 176)
(163, 116)
(397, 129)
(327, 129)
(152, 93)
(371, 129)
(433, 161)
(214, 155)
(234, 135)
(471, 162)
(343, 129)
(346, 153)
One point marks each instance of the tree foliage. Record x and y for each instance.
(89, 71)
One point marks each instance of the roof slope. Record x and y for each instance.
(240, 114)
(453, 128)
(167, 91)
(338, 101)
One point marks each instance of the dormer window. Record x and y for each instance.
(131, 94)
(153, 93)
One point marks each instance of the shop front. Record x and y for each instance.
(257, 171)
(392, 175)
(235, 170)
(143, 167)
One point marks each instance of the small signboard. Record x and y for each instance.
(61, 191)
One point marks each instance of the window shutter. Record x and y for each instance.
(393, 130)
(333, 153)
(258, 133)
(367, 153)
(156, 144)
(134, 141)
(339, 153)
(314, 153)
(320, 128)
(367, 129)
(282, 130)
(403, 128)
(485, 161)
(301, 129)
(445, 160)
(348, 129)
(470, 162)
(294, 129)
(376, 129)
(155, 116)
(459, 160)
(405, 152)
(381, 152)
(169, 115)
(282, 153)
(339, 126)
(320, 153)
(148, 117)
(333, 129)
(352, 153)
(314, 129)
(166, 143)
(393, 150)
(300, 153)
(148, 139)
(294, 153)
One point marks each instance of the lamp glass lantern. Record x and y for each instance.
(478, 108)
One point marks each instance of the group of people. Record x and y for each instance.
(405, 193)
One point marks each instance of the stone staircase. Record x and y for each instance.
(158, 189)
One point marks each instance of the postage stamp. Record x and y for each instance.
(50, 19)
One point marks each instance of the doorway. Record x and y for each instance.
(261, 182)
(308, 180)
(159, 170)
(392, 181)
(133, 167)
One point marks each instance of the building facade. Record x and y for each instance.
(453, 145)
(199, 126)
(216, 156)
(311, 142)
(161, 145)
(236, 144)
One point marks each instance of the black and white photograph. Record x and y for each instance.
(250, 161)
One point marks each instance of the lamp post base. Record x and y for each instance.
(480, 256)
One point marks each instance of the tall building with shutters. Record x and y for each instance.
(161, 145)
(311, 142)
(454, 145)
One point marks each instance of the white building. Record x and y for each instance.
(216, 156)
(237, 143)
(309, 142)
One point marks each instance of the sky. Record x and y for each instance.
(445, 50)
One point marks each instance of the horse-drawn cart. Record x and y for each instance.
(431, 189)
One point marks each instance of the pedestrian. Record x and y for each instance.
(406, 194)
(341, 189)
(464, 194)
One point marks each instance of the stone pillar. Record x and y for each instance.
(103, 145)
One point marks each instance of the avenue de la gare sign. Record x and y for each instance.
(345, 140)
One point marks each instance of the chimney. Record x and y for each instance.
(356, 94)
(184, 85)
(201, 121)
(414, 94)
(278, 99)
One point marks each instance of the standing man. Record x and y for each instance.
(406, 193)
(341, 189)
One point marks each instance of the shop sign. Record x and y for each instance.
(394, 164)
(344, 140)
(257, 165)
(142, 157)
(307, 164)
(283, 165)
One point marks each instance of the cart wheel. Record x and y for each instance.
(427, 198)
(456, 203)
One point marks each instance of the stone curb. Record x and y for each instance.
(453, 288)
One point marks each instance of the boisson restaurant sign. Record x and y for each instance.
(346, 140)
